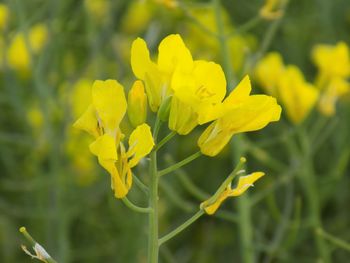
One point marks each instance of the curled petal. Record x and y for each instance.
(140, 144)
(88, 122)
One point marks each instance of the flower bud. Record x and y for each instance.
(137, 104)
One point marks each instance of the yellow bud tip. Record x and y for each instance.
(242, 159)
(22, 229)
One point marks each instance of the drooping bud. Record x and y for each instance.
(137, 104)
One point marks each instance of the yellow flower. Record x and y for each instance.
(4, 15)
(194, 92)
(157, 76)
(332, 61)
(271, 9)
(297, 95)
(244, 182)
(137, 104)
(97, 9)
(19, 54)
(336, 88)
(268, 71)
(240, 112)
(102, 120)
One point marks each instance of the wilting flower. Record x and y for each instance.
(239, 112)
(288, 85)
(244, 182)
(102, 120)
(333, 63)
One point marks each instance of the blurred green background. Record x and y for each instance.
(51, 51)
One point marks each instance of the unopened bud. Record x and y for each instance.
(137, 104)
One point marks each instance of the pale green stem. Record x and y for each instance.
(33, 243)
(140, 184)
(336, 241)
(180, 228)
(134, 207)
(153, 248)
(246, 26)
(165, 140)
(179, 164)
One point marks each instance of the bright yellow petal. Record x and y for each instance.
(140, 58)
(240, 93)
(244, 182)
(88, 122)
(104, 147)
(173, 53)
(211, 209)
(109, 101)
(137, 104)
(140, 144)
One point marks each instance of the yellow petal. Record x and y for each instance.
(173, 53)
(109, 101)
(240, 93)
(244, 182)
(140, 144)
(104, 147)
(88, 122)
(140, 58)
(211, 209)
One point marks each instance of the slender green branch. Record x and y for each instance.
(180, 228)
(246, 26)
(140, 184)
(179, 164)
(165, 140)
(336, 241)
(134, 207)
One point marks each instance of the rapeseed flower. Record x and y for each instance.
(239, 112)
(272, 9)
(4, 16)
(102, 120)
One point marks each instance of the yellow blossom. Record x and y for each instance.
(137, 104)
(102, 119)
(4, 15)
(240, 112)
(332, 61)
(157, 76)
(21, 49)
(336, 88)
(271, 9)
(297, 96)
(244, 182)
(97, 9)
(268, 71)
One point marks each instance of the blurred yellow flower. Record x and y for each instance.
(239, 112)
(268, 71)
(288, 85)
(137, 16)
(244, 182)
(102, 119)
(97, 9)
(137, 104)
(168, 3)
(297, 96)
(271, 9)
(4, 15)
(23, 47)
(332, 61)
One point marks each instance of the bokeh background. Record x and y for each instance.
(50, 54)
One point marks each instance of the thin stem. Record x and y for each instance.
(134, 207)
(336, 241)
(153, 248)
(165, 140)
(180, 228)
(140, 184)
(179, 164)
(246, 26)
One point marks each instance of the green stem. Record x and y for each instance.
(180, 228)
(336, 241)
(140, 184)
(165, 140)
(309, 181)
(179, 164)
(134, 207)
(246, 26)
(153, 248)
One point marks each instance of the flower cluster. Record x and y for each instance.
(183, 91)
